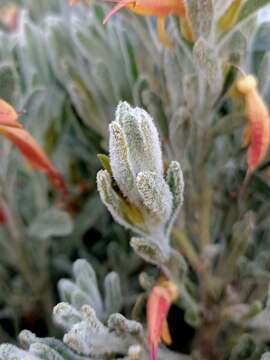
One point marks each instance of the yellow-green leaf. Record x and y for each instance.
(229, 18)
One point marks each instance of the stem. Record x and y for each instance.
(189, 302)
(188, 250)
(204, 212)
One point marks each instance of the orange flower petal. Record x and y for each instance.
(158, 305)
(8, 115)
(9, 16)
(161, 9)
(121, 4)
(259, 124)
(27, 145)
(149, 7)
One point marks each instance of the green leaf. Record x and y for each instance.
(250, 7)
(262, 38)
(229, 18)
(8, 83)
(105, 161)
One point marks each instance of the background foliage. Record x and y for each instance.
(66, 73)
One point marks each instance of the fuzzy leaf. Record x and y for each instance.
(175, 180)
(200, 13)
(91, 337)
(52, 222)
(150, 251)
(44, 352)
(142, 139)
(69, 292)
(27, 339)
(7, 78)
(181, 130)
(209, 64)
(121, 325)
(155, 194)
(85, 278)
(113, 295)
(66, 315)
(250, 7)
(124, 213)
(135, 352)
(190, 90)
(266, 356)
(122, 172)
(11, 352)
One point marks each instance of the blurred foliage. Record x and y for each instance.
(65, 72)
(67, 110)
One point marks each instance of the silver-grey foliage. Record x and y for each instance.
(89, 333)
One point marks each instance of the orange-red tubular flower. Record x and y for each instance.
(159, 302)
(159, 8)
(150, 7)
(30, 149)
(257, 134)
